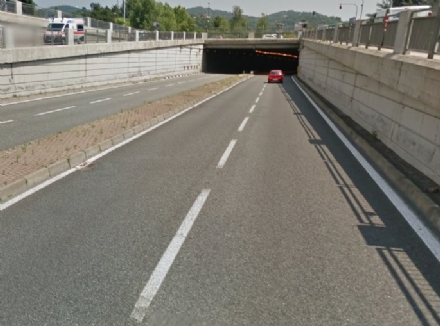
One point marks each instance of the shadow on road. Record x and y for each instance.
(413, 267)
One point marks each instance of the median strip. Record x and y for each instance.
(19, 165)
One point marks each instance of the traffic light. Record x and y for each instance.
(340, 6)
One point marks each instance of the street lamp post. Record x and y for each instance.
(209, 16)
(124, 12)
(350, 4)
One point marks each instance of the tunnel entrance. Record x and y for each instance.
(261, 61)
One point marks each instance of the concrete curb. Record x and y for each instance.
(75, 160)
(429, 209)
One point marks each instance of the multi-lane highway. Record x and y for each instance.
(24, 121)
(246, 210)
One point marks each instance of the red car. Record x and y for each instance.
(275, 76)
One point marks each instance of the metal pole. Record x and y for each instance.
(209, 16)
(362, 9)
(352, 4)
(124, 12)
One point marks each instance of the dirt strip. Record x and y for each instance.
(20, 161)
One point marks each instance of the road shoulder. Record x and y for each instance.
(410, 183)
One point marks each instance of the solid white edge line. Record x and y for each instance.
(167, 259)
(48, 182)
(226, 154)
(243, 124)
(416, 224)
(7, 121)
(252, 108)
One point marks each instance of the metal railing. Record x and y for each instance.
(95, 23)
(422, 34)
(8, 6)
(95, 30)
(147, 36)
(227, 35)
(35, 11)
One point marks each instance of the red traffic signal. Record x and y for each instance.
(340, 6)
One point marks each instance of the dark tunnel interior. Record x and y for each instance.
(261, 61)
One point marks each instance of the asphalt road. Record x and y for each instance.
(30, 120)
(278, 225)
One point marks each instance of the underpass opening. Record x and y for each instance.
(260, 61)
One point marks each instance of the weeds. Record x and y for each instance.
(375, 135)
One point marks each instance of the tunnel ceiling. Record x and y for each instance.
(262, 60)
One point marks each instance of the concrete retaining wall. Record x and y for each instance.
(395, 96)
(25, 71)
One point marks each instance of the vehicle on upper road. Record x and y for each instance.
(56, 30)
(275, 76)
(270, 36)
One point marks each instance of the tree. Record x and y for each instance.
(184, 21)
(221, 25)
(239, 23)
(262, 24)
(400, 3)
(101, 13)
(142, 13)
(166, 17)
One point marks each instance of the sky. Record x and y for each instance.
(250, 7)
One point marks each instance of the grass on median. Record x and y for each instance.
(19, 161)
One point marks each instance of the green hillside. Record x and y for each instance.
(65, 8)
(288, 18)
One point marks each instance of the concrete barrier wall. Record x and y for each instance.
(397, 97)
(27, 76)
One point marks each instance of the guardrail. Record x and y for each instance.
(8, 6)
(408, 33)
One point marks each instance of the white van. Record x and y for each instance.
(394, 13)
(55, 31)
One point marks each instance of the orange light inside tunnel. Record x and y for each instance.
(277, 53)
